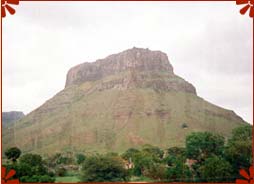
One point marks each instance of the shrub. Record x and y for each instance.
(60, 171)
(101, 168)
(184, 125)
(215, 169)
(80, 158)
(177, 169)
(37, 178)
(46, 179)
(156, 171)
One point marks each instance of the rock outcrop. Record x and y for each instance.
(11, 117)
(143, 68)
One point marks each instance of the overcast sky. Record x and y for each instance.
(209, 44)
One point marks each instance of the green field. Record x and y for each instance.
(64, 179)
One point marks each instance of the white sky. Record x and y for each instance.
(208, 43)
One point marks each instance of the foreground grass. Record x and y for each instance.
(65, 179)
(141, 179)
(74, 179)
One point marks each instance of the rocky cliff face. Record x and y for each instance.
(141, 67)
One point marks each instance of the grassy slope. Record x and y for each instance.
(80, 119)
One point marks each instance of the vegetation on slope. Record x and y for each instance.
(116, 120)
(205, 157)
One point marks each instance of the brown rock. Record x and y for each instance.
(145, 68)
(136, 58)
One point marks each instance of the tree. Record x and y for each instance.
(239, 148)
(30, 168)
(155, 171)
(23, 169)
(177, 170)
(153, 150)
(176, 151)
(13, 153)
(31, 159)
(100, 168)
(143, 161)
(65, 160)
(216, 169)
(35, 163)
(242, 133)
(80, 158)
(201, 145)
(130, 153)
(146, 161)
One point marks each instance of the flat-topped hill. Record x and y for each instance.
(124, 100)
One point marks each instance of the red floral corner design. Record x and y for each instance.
(6, 6)
(249, 5)
(6, 177)
(249, 178)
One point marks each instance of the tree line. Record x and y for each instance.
(206, 157)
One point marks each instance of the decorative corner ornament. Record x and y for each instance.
(6, 6)
(248, 6)
(6, 178)
(249, 178)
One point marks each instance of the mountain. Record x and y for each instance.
(10, 117)
(124, 100)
